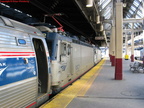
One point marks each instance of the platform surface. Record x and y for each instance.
(98, 89)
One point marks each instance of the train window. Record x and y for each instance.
(21, 41)
(69, 49)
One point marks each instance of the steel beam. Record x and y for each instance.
(133, 20)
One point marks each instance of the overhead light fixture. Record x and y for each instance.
(98, 19)
(89, 3)
(101, 27)
(124, 4)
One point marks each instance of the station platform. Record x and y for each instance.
(98, 89)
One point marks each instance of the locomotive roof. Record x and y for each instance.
(6, 22)
(57, 36)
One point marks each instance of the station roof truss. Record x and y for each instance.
(76, 17)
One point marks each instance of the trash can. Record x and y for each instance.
(126, 57)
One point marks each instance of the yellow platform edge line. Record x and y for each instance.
(94, 73)
(78, 88)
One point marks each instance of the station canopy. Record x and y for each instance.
(76, 18)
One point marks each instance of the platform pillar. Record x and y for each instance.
(110, 52)
(119, 41)
(113, 46)
(143, 46)
(132, 45)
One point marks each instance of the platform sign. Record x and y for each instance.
(14, 1)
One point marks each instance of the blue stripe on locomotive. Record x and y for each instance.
(14, 69)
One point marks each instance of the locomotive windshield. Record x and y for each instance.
(52, 47)
(49, 44)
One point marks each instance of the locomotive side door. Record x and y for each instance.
(43, 69)
(69, 61)
(65, 58)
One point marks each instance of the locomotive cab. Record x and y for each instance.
(60, 54)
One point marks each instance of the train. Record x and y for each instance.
(36, 61)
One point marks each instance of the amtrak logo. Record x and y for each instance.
(3, 68)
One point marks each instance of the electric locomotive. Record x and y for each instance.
(70, 57)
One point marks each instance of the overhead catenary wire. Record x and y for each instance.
(48, 11)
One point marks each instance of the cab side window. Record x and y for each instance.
(68, 49)
(63, 49)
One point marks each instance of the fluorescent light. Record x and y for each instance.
(5, 5)
(89, 3)
(29, 15)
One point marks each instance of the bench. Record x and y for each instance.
(137, 67)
